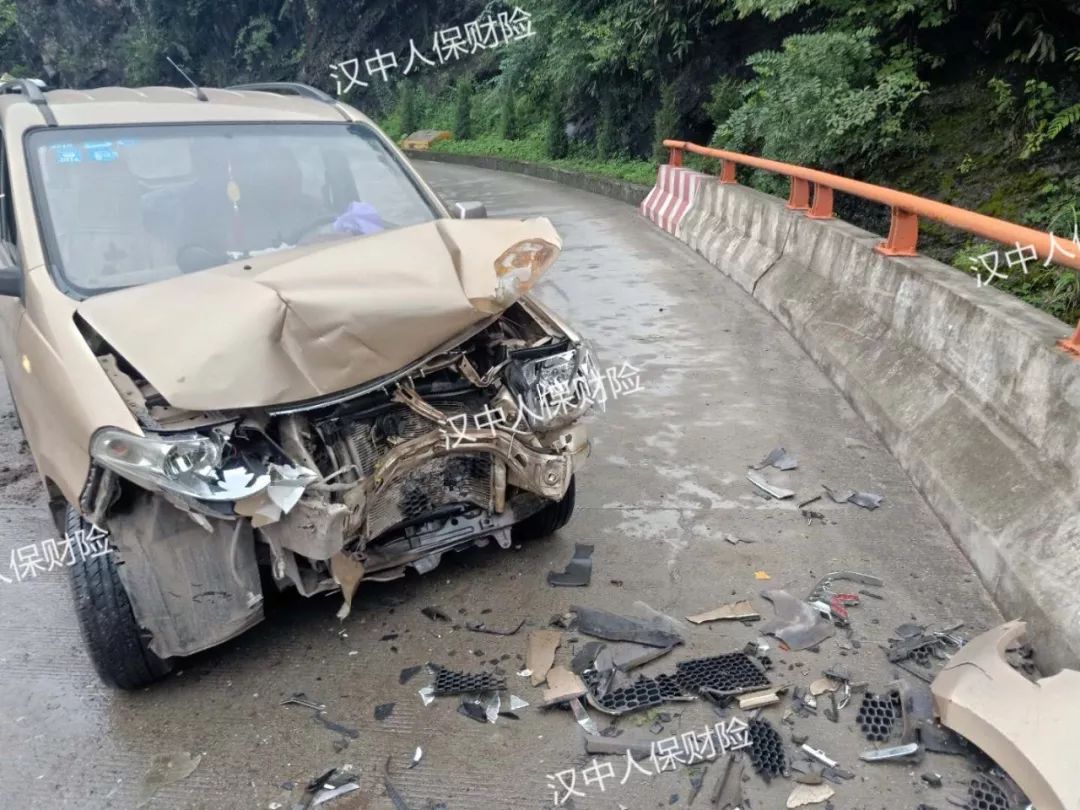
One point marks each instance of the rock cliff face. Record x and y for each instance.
(90, 43)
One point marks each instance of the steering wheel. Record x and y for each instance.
(295, 237)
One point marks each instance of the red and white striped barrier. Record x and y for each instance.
(672, 196)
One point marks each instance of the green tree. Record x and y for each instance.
(666, 122)
(556, 144)
(463, 110)
(407, 114)
(607, 136)
(508, 123)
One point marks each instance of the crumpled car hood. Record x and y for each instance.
(312, 321)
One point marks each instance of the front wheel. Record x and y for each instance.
(112, 636)
(548, 520)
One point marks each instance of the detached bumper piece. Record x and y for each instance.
(449, 682)
(717, 678)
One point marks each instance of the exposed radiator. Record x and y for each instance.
(436, 483)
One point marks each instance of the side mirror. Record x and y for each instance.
(470, 210)
(11, 281)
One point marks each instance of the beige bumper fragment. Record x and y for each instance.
(1031, 729)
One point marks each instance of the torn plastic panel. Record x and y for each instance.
(1027, 727)
(189, 589)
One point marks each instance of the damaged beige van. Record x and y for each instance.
(247, 341)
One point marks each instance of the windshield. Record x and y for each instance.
(122, 206)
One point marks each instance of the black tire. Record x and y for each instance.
(108, 625)
(548, 520)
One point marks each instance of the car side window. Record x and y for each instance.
(9, 247)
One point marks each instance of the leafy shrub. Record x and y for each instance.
(666, 122)
(824, 98)
(463, 110)
(508, 125)
(607, 136)
(408, 118)
(556, 144)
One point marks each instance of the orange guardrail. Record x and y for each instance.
(812, 191)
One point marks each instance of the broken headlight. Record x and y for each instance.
(190, 464)
(553, 388)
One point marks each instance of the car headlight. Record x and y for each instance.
(190, 464)
(553, 389)
(519, 267)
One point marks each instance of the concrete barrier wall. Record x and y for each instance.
(965, 385)
(670, 198)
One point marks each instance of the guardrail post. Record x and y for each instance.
(823, 203)
(727, 173)
(799, 199)
(1072, 344)
(903, 234)
(675, 156)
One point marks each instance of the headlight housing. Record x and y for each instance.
(190, 464)
(553, 388)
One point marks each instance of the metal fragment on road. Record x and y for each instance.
(427, 694)
(481, 627)
(905, 752)
(797, 624)
(300, 699)
(418, 755)
(582, 717)
(867, 500)
(391, 791)
(838, 496)
(823, 584)
(578, 572)
(819, 755)
(603, 745)
(329, 794)
(779, 458)
(779, 493)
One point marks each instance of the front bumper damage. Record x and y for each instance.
(356, 488)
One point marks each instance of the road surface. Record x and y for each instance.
(721, 384)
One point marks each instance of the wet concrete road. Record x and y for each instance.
(721, 385)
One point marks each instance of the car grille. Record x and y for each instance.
(436, 483)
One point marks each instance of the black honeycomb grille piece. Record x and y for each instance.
(722, 675)
(448, 682)
(985, 793)
(766, 749)
(878, 715)
(642, 694)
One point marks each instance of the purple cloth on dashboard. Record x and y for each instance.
(360, 218)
